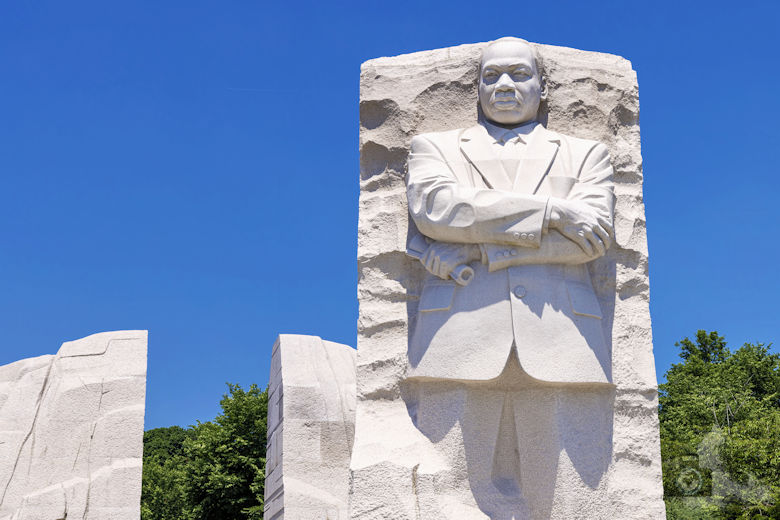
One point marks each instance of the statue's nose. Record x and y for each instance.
(505, 82)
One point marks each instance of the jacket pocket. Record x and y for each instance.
(583, 300)
(437, 295)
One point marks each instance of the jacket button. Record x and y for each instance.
(519, 291)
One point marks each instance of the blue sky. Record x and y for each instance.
(152, 176)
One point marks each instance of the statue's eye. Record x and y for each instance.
(490, 74)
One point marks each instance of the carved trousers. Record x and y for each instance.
(521, 448)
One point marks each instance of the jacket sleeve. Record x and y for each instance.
(446, 210)
(595, 190)
(595, 186)
(555, 249)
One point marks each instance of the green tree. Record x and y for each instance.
(720, 431)
(162, 492)
(224, 470)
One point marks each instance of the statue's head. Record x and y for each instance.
(511, 87)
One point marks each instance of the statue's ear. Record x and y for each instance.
(543, 95)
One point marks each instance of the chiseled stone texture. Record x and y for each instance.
(397, 471)
(311, 428)
(71, 431)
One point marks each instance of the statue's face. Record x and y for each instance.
(510, 87)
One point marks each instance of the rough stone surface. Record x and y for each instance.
(71, 431)
(311, 427)
(400, 473)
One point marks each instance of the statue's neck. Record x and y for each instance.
(483, 119)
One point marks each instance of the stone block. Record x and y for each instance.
(311, 422)
(71, 431)
(404, 470)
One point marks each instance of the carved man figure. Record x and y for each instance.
(526, 208)
(492, 357)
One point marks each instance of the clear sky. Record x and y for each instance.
(191, 168)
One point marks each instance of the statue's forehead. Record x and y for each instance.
(509, 61)
(507, 53)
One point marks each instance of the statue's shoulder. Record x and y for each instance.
(577, 146)
(440, 138)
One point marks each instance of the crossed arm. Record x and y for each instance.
(502, 228)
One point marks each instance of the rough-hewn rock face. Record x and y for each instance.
(397, 472)
(71, 431)
(311, 427)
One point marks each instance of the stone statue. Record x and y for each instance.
(504, 364)
(515, 352)
(526, 208)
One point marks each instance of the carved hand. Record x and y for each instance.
(442, 257)
(582, 225)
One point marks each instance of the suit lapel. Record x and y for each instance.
(475, 147)
(539, 155)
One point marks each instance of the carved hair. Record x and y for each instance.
(538, 62)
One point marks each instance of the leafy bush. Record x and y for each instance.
(213, 470)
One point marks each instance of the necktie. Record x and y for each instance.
(511, 153)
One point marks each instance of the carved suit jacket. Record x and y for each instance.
(533, 287)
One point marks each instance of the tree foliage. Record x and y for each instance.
(225, 471)
(162, 492)
(213, 470)
(720, 431)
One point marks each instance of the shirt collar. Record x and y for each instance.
(502, 135)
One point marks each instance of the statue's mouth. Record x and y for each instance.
(506, 102)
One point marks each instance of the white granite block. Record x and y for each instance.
(311, 421)
(432, 454)
(71, 431)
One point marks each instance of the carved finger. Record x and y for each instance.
(436, 266)
(430, 261)
(425, 259)
(597, 244)
(604, 223)
(603, 235)
(445, 267)
(583, 243)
